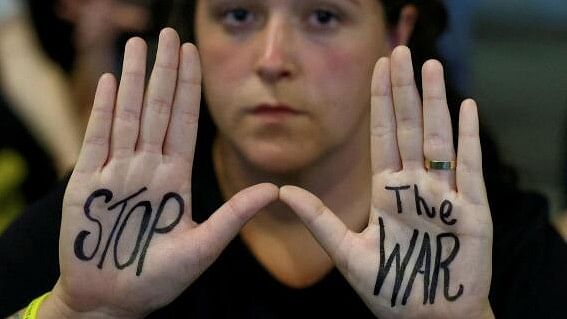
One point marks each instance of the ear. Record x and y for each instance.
(401, 32)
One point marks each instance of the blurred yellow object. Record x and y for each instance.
(13, 171)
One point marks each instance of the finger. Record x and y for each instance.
(129, 101)
(159, 98)
(227, 221)
(470, 181)
(407, 106)
(96, 143)
(384, 143)
(182, 132)
(437, 131)
(325, 226)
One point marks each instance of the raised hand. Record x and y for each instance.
(426, 252)
(128, 243)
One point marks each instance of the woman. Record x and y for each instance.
(288, 84)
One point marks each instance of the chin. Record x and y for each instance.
(274, 158)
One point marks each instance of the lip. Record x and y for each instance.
(274, 111)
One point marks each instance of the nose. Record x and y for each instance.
(275, 61)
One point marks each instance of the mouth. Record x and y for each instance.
(274, 111)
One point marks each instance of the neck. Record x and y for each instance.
(276, 236)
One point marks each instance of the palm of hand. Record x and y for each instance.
(128, 242)
(429, 257)
(135, 210)
(427, 249)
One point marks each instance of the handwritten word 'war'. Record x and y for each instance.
(143, 207)
(423, 263)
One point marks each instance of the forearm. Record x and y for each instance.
(39, 93)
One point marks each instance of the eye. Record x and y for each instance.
(321, 18)
(237, 17)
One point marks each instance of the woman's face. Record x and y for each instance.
(288, 81)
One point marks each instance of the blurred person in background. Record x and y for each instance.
(55, 49)
(39, 136)
(99, 31)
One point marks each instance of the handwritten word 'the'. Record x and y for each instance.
(421, 206)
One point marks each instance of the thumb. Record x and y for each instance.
(327, 228)
(226, 222)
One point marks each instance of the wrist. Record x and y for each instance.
(489, 314)
(486, 312)
(482, 313)
(56, 306)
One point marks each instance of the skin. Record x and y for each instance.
(295, 59)
(325, 77)
(138, 138)
(284, 55)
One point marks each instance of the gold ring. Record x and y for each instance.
(441, 165)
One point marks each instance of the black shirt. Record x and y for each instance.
(529, 277)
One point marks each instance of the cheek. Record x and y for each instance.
(224, 69)
(345, 75)
(222, 63)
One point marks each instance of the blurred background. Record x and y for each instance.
(520, 75)
(510, 55)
